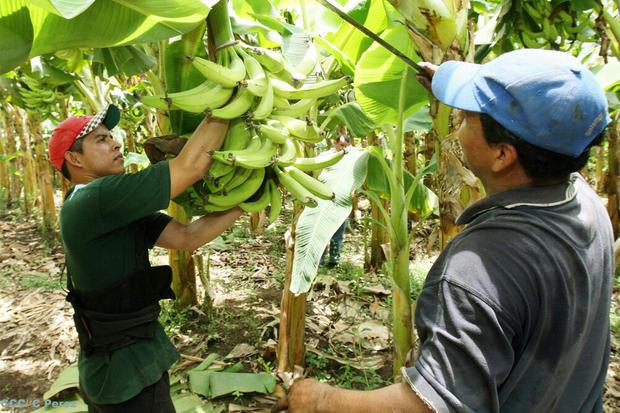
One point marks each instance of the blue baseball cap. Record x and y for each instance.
(546, 98)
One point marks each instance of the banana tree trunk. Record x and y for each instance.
(613, 177)
(28, 165)
(291, 349)
(378, 236)
(46, 190)
(130, 141)
(15, 184)
(5, 187)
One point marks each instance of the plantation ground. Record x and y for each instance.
(347, 315)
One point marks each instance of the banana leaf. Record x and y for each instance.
(27, 30)
(352, 42)
(378, 77)
(419, 121)
(129, 60)
(423, 200)
(350, 115)
(608, 75)
(316, 226)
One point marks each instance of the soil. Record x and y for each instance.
(38, 340)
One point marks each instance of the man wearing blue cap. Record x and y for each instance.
(108, 222)
(514, 314)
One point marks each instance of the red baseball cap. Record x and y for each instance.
(77, 127)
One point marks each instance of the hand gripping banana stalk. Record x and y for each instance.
(268, 102)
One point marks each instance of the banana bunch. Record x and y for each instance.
(545, 23)
(37, 97)
(248, 169)
(268, 102)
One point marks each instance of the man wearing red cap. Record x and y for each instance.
(108, 221)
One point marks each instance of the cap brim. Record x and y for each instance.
(453, 85)
(112, 116)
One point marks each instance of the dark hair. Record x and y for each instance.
(76, 147)
(539, 164)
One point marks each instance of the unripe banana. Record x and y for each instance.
(295, 110)
(301, 129)
(227, 76)
(249, 158)
(256, 81)
(312, 184)
(239, 177)
(275, 202)
(236, 196)
(238, 136)
(207, 95)
(218, 169)
(262, 202)
(322, 161)
(308, 90)
(237, 107)
(274, 131)
(309, 61)
(288, 153)
(271, 60)
(265, 106)
(280, 102)
(296, 189)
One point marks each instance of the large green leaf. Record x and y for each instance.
(608, 75)
(316, 226)
(378, 77)
(64, 8)
(27, 30)
(352, 42)
(423, 201)
(350, 115)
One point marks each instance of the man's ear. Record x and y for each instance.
(73, 158)
(505, 157)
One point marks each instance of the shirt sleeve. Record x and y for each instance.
(465, 350)
(128, 197)
(155, 224)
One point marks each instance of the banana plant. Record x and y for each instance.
(34, 28)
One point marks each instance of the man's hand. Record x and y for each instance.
(305, 396)
(430, 70)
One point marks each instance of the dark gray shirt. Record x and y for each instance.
(514, 314)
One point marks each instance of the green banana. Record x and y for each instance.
(213, 208)
(269, 59)
(238, 136)
(304, 130)
(218, 169)
(288, 154)
(309, 61)
(322, 161)
(237, 107)
(308, 90)
(300, 192)
(262, 202)
(239, 177)
(265, 106)
(275, 201)
(295, 110)
(236, 196)
(257, 79)
(312, 184)
(275, 131)
(227, 76)
(249, 158)
(207, 95)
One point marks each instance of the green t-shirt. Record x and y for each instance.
(99, 223)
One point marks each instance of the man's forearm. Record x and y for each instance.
(209, 227)
(207, 137)
(397, 398)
